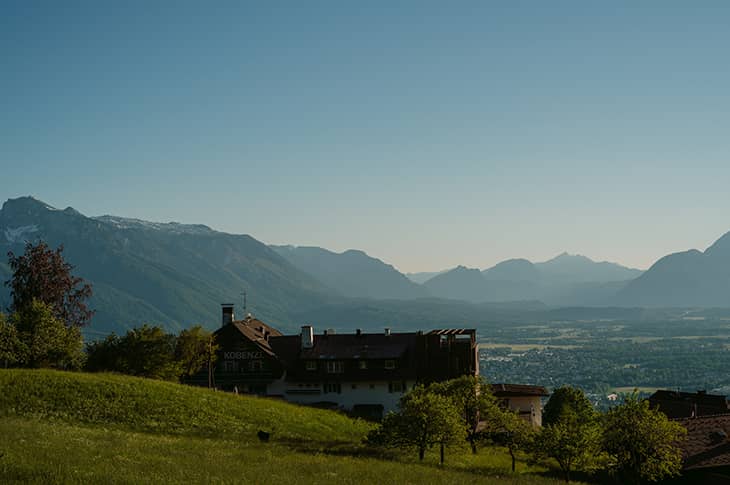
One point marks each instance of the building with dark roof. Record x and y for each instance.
(677, 404)
(708, 442)
(362, 372)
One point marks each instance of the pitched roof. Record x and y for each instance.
(707, 444)
(516, 390)
(257, 332)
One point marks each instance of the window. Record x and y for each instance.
(363, 364)
(396, 386)
(333, 387)
(311, 365)
(390, 364)
(335, 367)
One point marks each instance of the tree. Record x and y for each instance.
(514, 433)
(194, 350)
(42, 274)
(9, 343)
(642, 443)
(104, 355)
(474, 401)
(567, 397)
(572, 433)
(424, 419)
(143, 351)
(45, 341)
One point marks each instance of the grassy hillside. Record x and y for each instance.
(58, 427)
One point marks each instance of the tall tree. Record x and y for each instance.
(642, 442)
(42, 274)
(475, 402)
(424, 419)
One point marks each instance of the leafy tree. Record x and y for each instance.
(145, 351)
(45, 341)
(575, 445)
(572, 432)
(104, 355)
(149, 352)
(42, 274)
(514, 433)
(568, 398)
(9, 342)
(424, 419)
(474, 401)
(194, 350)
(642, 443)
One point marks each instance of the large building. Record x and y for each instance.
(366, 373)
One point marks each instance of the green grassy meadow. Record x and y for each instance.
(58, 427)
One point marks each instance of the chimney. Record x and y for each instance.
(387, 331)
(358, 332)
(307, 337)
(227, 314)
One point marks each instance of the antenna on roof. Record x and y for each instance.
(244, 302)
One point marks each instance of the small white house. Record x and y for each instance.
(525, 400)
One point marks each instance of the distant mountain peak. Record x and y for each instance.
(566, 256)
(25, 203)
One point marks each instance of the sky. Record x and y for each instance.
(428, 134)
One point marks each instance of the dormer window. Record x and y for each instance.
(311, 365)
(390, 364)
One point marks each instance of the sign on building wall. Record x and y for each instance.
(243, 355)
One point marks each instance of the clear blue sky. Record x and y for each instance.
(427, 134)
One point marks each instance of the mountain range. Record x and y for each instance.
(177, 275)
(564, 280)
(352, 273)
(172, 274)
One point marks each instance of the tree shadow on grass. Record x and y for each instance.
(354, 450)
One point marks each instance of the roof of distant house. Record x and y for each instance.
(676, 404)
(707, 444)
(516, 390)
